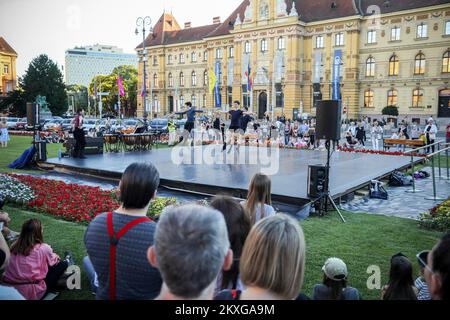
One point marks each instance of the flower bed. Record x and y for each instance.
(437, 218)
(72, 202)
(389, 153)
(13, 190)
(21, 133)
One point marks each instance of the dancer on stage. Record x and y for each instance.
(190, 114)
(78, 134)
(236, 122)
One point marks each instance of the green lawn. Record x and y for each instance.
(16, 147)
(364, 241)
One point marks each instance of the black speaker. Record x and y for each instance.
(41, 151)
(32, 115)
(328, 120)
(317, 181)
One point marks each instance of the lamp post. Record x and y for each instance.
(143, 24)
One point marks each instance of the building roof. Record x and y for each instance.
(308, 11)
(5, 47)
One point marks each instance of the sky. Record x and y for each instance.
(33, 27)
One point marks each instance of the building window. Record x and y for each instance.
(205, 56)
(417, 98)
(231, 52)
(446, 62)
(368, 99)
(419, 67)
(392, 98)
(319, 42)
(339, 39)
(182, 101)
(170, 80)
(218, 53)
(193, 57)
(155, 60)
(181, 79)
(194, 78)
(230, 95)
(181, 57)
(155, 80)
(372, 36)
(5, 69)
(279, 96)
(245, 95)
(194, 100)
(395, 34)
(264, 45)
(281, 43)
(204, 101)
(169, 59)
(247, 47)
(370, 67)
(422, 30)
(205, 78)
(393, 65)
(447, 28)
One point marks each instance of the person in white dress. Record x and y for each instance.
(376, 135)
(4, 135)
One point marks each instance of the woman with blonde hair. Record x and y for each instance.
(259, 201)
(272, 263)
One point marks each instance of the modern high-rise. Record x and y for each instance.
(84, 63)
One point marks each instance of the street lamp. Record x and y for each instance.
(143, 24)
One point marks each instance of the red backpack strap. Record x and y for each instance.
(113, 242)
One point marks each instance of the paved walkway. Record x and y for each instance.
(400, 203)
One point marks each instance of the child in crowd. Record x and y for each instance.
(401, 283)
(259, 200)
(4, 135)
(420, 282)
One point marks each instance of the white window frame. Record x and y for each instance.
(319, 42)
(339, 39)
(219, 53)
(231, 52)
(447, 28)
(247, 47)
(264, 45)
(281, 43)
(372, 36)
(395, 33)
(182, 58)
(193, 57)
(5, 69)
(422, 31)
(194, 78)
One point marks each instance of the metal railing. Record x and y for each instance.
(431, 156)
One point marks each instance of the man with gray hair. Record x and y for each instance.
(191, 247)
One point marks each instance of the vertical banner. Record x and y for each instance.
(337, 75)
(317, 94)
(217, 96)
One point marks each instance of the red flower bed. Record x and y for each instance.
(388, 153)
(71, 202)
(21, 133)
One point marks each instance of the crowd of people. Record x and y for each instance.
(227, 250)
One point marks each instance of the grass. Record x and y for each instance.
(364, 241)
(16, 147)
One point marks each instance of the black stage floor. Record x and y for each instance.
(210, 171)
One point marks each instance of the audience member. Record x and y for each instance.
(272, 262)
(437, 271)
(259, 200)
(6, 293)
(117, 242)
(334, 286)
(191, 248)
(401, 283)
(420, 282)
(33, 268)
(238, 226)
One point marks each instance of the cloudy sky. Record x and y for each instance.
(33, 27)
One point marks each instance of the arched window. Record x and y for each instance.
(194, 78)
(264, 45)
(392, 97)
(446, 62)
(205, 78)
(370, 67)
(170, 80)
(194, 100)
(368, 99)
(419, 65)
(417, 98)
(155, 80)
(181, 79)
(247, 47)
(394, 64)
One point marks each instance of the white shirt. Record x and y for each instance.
(433, 131)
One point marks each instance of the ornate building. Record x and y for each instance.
(368, 54)
(8, 76)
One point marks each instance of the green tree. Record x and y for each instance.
(390, 111)
(15, 103)
(44, 78)
(77, 96)
(129, 75)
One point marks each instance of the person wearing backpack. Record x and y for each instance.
(117, 242)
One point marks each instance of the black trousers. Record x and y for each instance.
(429, 141)
(80, 142)
(53, 275)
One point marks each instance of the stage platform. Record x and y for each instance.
(211, 171)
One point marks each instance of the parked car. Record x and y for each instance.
(22, 124)
(90, 125)
(159, 126)
(11, 123)
(53, 124)
(66, 125)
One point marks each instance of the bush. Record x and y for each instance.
(437, 218)
(390, 111)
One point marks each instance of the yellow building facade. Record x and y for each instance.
(369, 54)
(8, 73)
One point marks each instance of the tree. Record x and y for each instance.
(129, 76)
(78, 96)
(390, 111)
(15, 103)
(44, 78)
